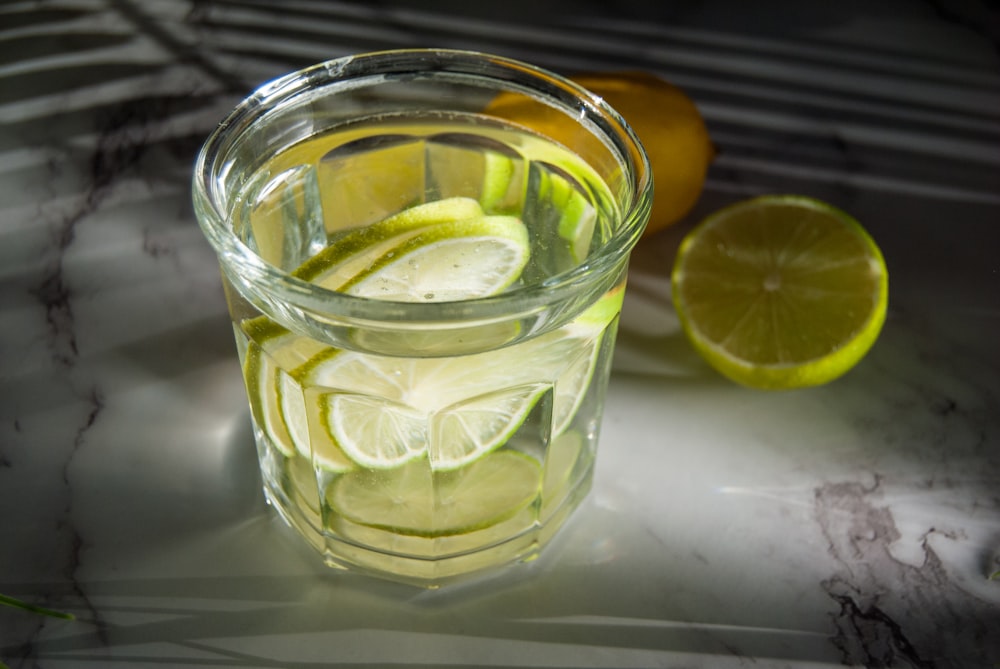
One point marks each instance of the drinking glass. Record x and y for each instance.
(424, 254)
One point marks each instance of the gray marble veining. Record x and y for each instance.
(855, 524)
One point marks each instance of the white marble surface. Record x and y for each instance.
(854, 524)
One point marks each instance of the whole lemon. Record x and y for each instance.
(664, 118)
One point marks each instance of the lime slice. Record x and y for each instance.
(578, 349)
(376, 433)
(780, 291)
(577, 225)
(275, 399)
(414, 500)
(603, 311)
(262, 380)
(458, 260)
(352, 252)
(461, 433)
(276, 396)
(433, 343)
(499, 174)
(288, 350)
(577, 219)
(455, 409)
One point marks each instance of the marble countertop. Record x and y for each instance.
(855, 524)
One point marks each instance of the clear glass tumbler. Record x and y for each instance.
(424, 254)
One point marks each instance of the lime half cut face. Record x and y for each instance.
(780, 292)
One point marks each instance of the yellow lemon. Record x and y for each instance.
(664, 118)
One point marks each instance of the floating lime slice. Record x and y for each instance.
(414, 500)
(374, 432)
(444, 250)
(458, 260)
(352, 252)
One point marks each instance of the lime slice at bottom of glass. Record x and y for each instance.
(414, 500)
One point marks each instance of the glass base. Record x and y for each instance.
(436, 561)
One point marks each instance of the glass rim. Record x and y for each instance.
(213, 218)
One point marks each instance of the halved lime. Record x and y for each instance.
(780, 291)
(414, 500)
